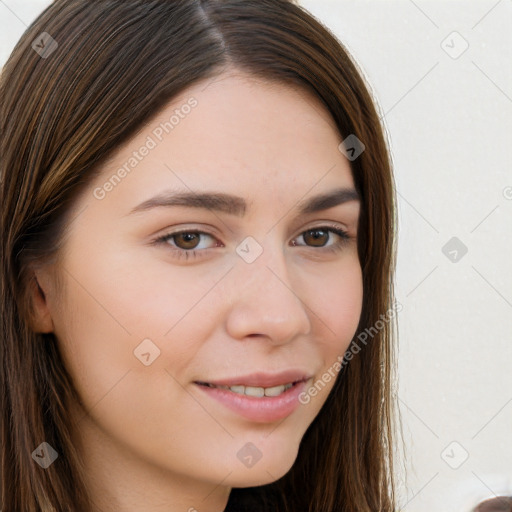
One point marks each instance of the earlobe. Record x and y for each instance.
(41, 320)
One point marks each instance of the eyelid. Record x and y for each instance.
(166, 236)
(331, 225)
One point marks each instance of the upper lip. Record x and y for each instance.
(261, 379)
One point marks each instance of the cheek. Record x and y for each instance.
(105, 318)
(114, 304)
(338, 303)
(124, 292)
(339, 309)
(338, 306)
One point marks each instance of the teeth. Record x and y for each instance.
(252, 391)
(275, 391)
(257, 391)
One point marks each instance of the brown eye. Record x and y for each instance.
(325, 238)
(186, 240)
(316, 237)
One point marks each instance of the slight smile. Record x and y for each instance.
(259, 397)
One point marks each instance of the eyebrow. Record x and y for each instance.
(234, 205)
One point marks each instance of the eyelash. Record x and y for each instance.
(194, 253)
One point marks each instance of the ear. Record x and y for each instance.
(41, 320)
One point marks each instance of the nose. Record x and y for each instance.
(264, 301)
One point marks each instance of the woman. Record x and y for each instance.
(197, 270)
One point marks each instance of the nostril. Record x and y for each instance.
(498, 504)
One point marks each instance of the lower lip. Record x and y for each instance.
(262, 410)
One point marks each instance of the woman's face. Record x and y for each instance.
(254, 292)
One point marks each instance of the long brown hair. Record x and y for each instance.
(114, 64)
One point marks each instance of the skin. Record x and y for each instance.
(151, 439)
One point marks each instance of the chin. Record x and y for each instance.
(264, 471)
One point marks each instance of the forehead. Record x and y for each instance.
(233, 132)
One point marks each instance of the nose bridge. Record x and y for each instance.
(265, 301)
(264, 263)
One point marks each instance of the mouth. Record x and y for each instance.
(254, 391)
(261, 398)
